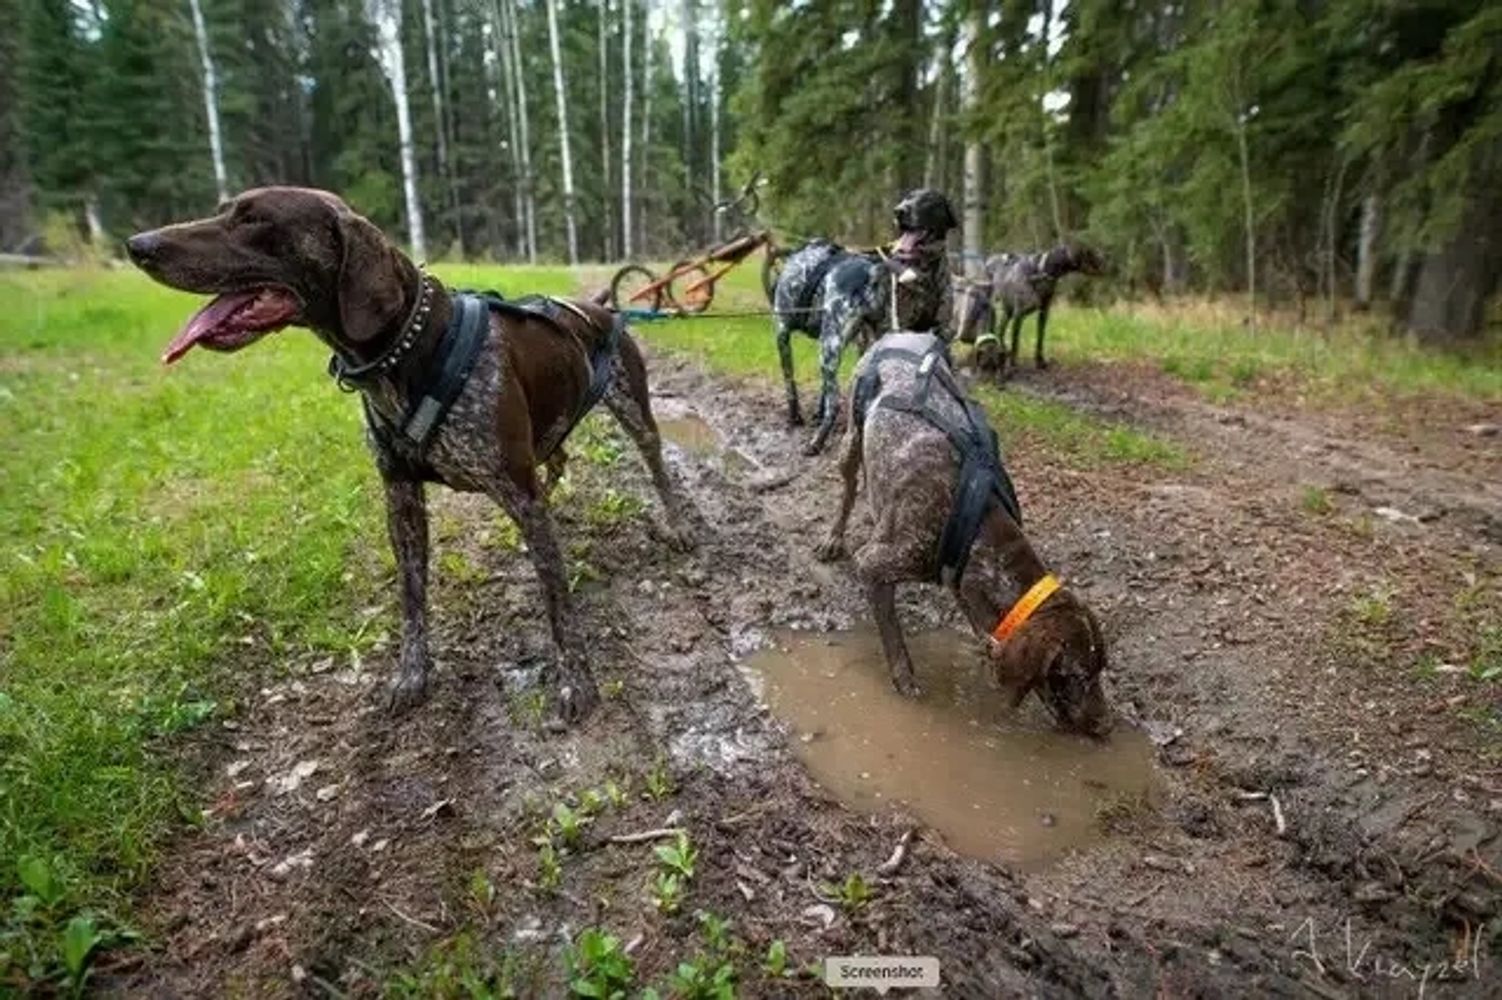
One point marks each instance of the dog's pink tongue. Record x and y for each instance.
(204, 321)
(908, 242)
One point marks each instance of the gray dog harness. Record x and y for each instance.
(983, 478)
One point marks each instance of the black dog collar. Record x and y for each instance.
(347, 374)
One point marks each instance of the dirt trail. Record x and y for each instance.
(1227, 605)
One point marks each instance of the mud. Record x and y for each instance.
(995, 782)
(1326, 773)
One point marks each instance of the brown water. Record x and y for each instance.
(694, 435)
(997, 784)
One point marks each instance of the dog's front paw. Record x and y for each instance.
(814, 446)
(832, 549)
(795, 419)
(1042, 364)
(409, 691)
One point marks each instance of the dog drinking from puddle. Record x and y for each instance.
(469, 391)
(945, 511)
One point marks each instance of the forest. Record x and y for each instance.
(1318, 155)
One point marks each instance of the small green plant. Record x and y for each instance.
(549, 868)
(659, 781)
(678, 857)
(667, 892)
(1316, 500)
(80, 939)
(776, 962)
(1486, 662)
(612, 689)
(481, 891)
(457, 969)
(598, 966)
(528, 709)
(852, 894)
(613, 508)
(1373, 608)
(591, 802)
(703, 979)
(568, 824)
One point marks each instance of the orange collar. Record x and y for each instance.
(1028, 603)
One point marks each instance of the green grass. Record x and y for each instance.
(1205, 346)
(168, 534)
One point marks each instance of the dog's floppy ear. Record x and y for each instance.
(372, 283)
(1023, 660)
(953, 223)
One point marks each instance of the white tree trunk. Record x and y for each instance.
(563, 145)
(508, 85)
(606, 166)
(974, 211)
(714, 135)
(646, 118)
(690, 30)
(210, 99)
(627, 126)
(387, 15)
(433, 31)
(529, 191)
(1366, 249)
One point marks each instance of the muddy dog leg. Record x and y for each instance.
(521, 499)
(850, 466)
(556, 465)
(785, 355)
(842, 322)
(1015, 319)
(1038, 358)
(881, 564)
(407, 523)
(629, 401)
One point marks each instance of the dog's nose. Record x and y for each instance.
(143, 247)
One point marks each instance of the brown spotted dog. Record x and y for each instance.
(945, 512)
(473, 396)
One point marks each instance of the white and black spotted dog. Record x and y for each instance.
(836, 295)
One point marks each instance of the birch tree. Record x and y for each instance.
(716, 221)
(210, 99)
(387, 17)
(513, 143)
(646, 113)
(433, 32)
(529, 191)
(605, 156)
(563, 144)
(975, 58)
(627, 236)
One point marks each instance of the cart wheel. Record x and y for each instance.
(773, 258)
(627, 289)
(688, 274)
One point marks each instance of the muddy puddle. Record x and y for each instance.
(694, 435)
(996, 783)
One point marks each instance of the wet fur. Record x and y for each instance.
(854, 302)
(356, 290)
(911, 473)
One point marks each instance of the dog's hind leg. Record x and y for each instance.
(785, 356)
(881, 564)
(407, 523)
(833, 547)
(520, 497)
(556, 465)
(629, 401)
(842, 322)
(1016, 322)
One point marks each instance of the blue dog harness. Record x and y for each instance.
(983, 478)
(435, 390)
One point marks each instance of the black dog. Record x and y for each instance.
(1021, 284)
(835, 295)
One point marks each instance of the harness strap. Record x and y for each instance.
(982, 479)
